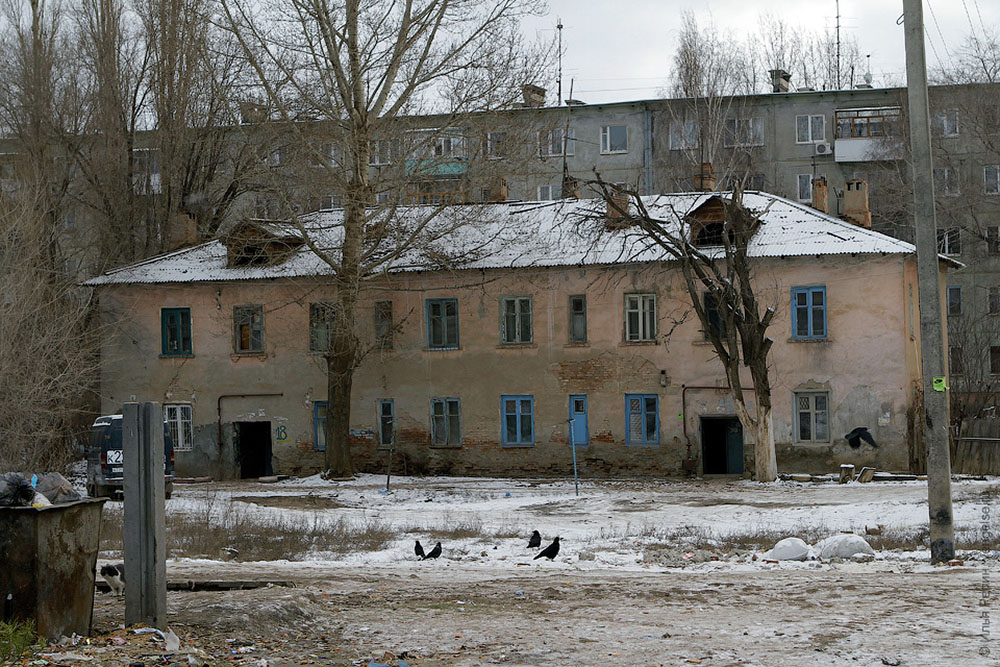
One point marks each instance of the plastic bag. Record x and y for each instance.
(56, 488)
(15, 490)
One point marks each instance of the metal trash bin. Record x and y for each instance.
(48, 558)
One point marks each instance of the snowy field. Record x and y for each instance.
(649, 573)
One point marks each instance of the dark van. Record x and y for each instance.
(106, 458)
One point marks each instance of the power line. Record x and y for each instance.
(972, 28)
(944, 44)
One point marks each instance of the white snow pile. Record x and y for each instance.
(836, 546)
(843, 546)
(790, 548)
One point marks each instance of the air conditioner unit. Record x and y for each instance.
(823, 148)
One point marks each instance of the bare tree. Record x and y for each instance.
(711, 249)
(360, 67)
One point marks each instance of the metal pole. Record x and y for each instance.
(572, 444)
(388, 468)
(936, 418)
(145, 543)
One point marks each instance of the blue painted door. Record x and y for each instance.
(578, 413)
(734, 447)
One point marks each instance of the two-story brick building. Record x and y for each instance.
(479, 369)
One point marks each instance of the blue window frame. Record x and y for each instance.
(642, 418)
(518, 412)
(175, 332)
(809, 312)
(319, 425)
(442, 324)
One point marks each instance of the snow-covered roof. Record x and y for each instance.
(566, 232)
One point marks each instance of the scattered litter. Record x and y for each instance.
(15, 490)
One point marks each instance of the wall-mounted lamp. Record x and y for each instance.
(663, 378)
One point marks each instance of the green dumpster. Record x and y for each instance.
(48, 557)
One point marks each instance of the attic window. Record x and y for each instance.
(710, 234)
(250, 255)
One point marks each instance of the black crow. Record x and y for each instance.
(855, 437)
(419, 550)
(115, 576)
(550, 551)
(535, 541)
(434, 553)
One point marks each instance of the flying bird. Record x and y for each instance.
(419, 550)
(535, 541)
(550, 551)
(434, 553)
(115, 576)
(855, 437)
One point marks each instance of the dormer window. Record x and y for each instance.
(709, 235)
(250, 255)
(260, 243)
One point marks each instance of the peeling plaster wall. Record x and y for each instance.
(868, 364)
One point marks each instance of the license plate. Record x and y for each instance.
(117, 470)
(114, 457)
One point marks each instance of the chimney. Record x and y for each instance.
(570, 188)
(534, 96)
(704, 178)
(819, 194)
(781, 81)
(617, 208)
(856, 203)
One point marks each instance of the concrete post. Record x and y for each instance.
(145, 532)
(936, 420)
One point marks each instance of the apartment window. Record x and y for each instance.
(809, 312)
(872, 122)
(322, 317)
(945, 123)
(994, 359)
(949, 241)
(683, 135)
(991, 179)
(956, 361)
(805, 186)
(248, 328)
(146, 171)
(515, 319)
(578, 319)
(446, 422)
(518, 420)
(993, 240)
(178, 418)
(383, 325)
(812, 417)
(614, 139)
(496, 145)
(994, 300)
(745, 181)
(954, 300)
(810, 129)
(640, 317)
(442, 324)
(319, 425)
(323, 154)
(744, 132)
(383, 151)
(386, 423)
(448, 147)
(555, 142)
(642, 419)
(945, 181)
(549, 192)
(175, 332)
(713, 316)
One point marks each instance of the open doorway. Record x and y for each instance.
(253, 449)
(721, 446)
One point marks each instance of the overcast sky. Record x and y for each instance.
(622, 50)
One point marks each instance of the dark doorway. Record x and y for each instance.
(721, 446)
(253, 449)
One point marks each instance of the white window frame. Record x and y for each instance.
(815, 129)
(551, 143)
(683, 135)
(147, 181)
(798, 184)
(812, 411)
(448, 146)
(180, 418)
(606, 147)
(549, 192)
(496, 145)
(947, 246)
(640, 317)
(743, 132)
(946, 181)
(945, 122)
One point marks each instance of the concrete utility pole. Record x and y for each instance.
(937, 420)
(145, 534)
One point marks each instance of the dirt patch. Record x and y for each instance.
(307, 502)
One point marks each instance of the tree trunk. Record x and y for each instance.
(340, 375)
(765, 465)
